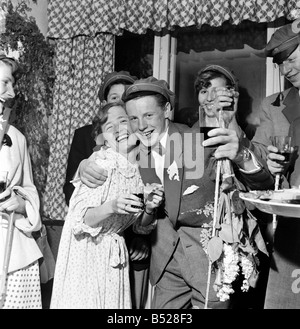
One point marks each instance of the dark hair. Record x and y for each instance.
(15, 66)
(203, 79)
(101, 117)
(116, 82)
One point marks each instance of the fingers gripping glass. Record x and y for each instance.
(209, 112)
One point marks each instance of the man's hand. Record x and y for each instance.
(275, 161)
(91, 174)
(229, 140)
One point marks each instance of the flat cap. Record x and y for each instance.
(113, 78)
(283, 42)
(224, 70)
(149, 86)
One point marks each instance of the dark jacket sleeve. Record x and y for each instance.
(81, 148)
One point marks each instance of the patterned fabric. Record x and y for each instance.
(85, 17)
(92, 263)
(23, 288)
(79, 73)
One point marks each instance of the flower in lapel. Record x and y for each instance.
(173, 171)
(191, 189)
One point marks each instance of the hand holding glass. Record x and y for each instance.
(139, 192)
(212, 114)
(283, 145)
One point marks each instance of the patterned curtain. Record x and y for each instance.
(69, 18)
(81, 64)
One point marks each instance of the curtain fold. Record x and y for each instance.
(70, 18)
(81, 64)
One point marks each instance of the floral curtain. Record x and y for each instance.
(87, 17)
(81, 64)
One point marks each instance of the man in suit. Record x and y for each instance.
(82, 147)
(280, 115)
(179, 265)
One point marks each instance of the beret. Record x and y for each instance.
(224, 70)
(149, 86)
(114, 77)
(283, 42)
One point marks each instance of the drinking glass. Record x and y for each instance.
(207, 122)
(284, 146)
(139, 192)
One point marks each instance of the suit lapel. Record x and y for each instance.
(173, 178)
(292, 105)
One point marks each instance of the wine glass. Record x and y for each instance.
(284, 148)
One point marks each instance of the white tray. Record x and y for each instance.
(281, 202)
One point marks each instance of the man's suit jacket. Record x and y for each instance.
(184, 214)
(81, 148)
(285, 260)
(295, 134)
(276, 120)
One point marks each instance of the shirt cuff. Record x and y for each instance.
(256, 164)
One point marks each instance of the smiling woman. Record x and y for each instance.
(113, 123)
(92, 262)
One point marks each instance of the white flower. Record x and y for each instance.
(247, 270)
(173, 171)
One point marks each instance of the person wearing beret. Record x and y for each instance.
(280, 115)
(82, 147)
(179, 265)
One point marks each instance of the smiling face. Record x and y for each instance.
(206, 95)
(117, 132)
(290, 68)
(6, 82)
(148, 119)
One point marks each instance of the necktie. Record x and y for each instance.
(158, 148)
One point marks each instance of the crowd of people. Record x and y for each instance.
(131, 237)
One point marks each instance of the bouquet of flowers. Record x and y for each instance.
(232, 240)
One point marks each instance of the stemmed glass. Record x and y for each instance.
(213, 116)
(284, 148)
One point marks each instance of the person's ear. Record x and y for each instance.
(167, 110)
(104, 102)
